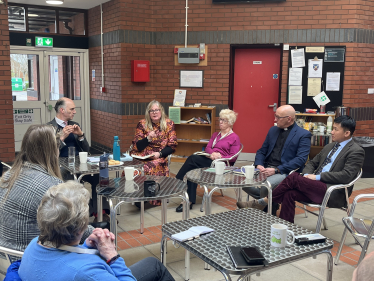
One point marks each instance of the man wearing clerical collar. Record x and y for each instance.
(285, 148)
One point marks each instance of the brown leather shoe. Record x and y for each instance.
(250, 204)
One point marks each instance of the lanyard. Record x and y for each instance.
(225, 135)
(73, 249)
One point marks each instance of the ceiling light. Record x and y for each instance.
(33, 15)
(55, 2)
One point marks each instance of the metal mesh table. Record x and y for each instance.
(228, 180)
(133, 191)
(87, 168)
(244, 227)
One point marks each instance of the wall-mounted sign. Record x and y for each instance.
(23, 116)
(43, 42)
(334, 54)
(28, 42)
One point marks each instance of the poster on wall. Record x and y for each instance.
(295, 76)
(314, 86)
(179, 97)
(295, 94)
(315, 68)
(298, 57)
(332, 81)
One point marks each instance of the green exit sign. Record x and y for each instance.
(43, 42)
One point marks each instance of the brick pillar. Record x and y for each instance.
(6, 102)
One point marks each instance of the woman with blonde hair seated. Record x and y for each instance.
(35, 169)
(222, 144)
(56, 255)
(155, 135)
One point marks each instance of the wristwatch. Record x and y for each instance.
(276, 170)
(160, 154)
(82, 135)
(112, 260)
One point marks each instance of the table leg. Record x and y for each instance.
(99, 208)
(208, 200)
(329, 265)
(186, 203)
(164, 211)
(142, 217)
(187, 264)
(270, 196)
(163, 249)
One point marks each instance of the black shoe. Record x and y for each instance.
(179, 209)
(138, 204)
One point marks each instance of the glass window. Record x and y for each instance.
(16, 18)
(25, 77)
(71, 23)
(41, 20)
(64, 77)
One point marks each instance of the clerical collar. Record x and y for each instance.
(289, 128)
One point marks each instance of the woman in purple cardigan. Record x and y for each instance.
(223, 144)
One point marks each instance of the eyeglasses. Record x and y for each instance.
(280, 117)
(222, 120)
(154, 111)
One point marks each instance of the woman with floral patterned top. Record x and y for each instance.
(155, 135)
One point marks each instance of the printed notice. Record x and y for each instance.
(23, 116)
(314, 86)
(175, 114)
(295, 77)
(321, 99)
(295, 94)
(298, 57)
(179, 97)
(315, 68)
(332, 81)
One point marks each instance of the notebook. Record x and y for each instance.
(238, 259)
(193, 232)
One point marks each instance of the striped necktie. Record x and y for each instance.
(65, 123)
(328, 158)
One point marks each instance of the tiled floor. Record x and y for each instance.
(134, 246)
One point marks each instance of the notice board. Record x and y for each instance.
(333, 61)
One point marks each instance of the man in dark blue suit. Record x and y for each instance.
(286, 148)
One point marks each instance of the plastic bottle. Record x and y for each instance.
(104, 172)
(116, 149)
(329, 125)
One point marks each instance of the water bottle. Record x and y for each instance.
(329, 125)
(104, 172)
(116, 149)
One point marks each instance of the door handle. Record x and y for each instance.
(274, 106)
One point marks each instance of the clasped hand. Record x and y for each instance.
(215, 155)
(266, 171)
(67, 130)
(103, 241)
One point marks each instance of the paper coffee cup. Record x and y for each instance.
(220, 167)
(83, 157)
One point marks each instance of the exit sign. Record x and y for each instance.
(43, 42)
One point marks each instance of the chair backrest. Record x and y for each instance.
(227, 160)
(8, 256)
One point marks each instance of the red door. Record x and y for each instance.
(256, 86)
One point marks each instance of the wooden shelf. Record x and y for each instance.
(193, 131)
(315, 114)
(187, 124)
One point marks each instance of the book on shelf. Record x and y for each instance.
(204, 140)
(197, 120)
(208, 117)
(191, 233)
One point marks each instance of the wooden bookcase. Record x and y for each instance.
(192, 133)
(314, 150)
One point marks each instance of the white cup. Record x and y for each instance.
(248, 171)
(131, 186)
(129, 173)
(220, 167)
(278, 237)
(83, 157)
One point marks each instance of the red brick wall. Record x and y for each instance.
(6, 103)
(160, 15)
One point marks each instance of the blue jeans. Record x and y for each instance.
(150, 269)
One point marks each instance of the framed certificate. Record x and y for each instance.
(191, 78)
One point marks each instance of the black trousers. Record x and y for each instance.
(193, 162)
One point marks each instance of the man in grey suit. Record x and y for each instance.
(337, 163)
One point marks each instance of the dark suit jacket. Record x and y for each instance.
(344, 169)
(80, 145)
(295, 150)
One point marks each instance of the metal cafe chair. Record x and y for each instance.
(7, 257)
(227, 160)
(323, 206)
(359, 228)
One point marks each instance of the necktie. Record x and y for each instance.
(65, 123)
(328, 159)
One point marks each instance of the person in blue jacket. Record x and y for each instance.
(55, 253)
(286, 148)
